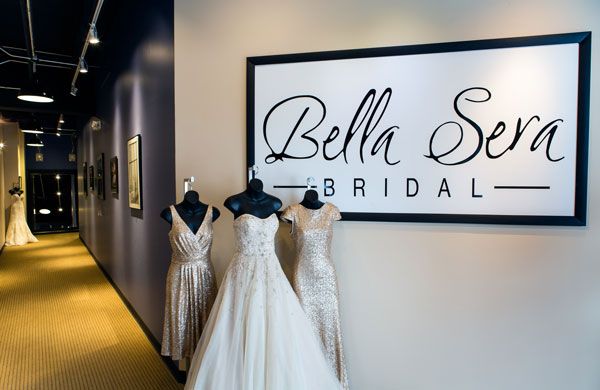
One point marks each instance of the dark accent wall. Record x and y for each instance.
(135, 96)
(56, 150)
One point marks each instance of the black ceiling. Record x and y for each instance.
(59, 31)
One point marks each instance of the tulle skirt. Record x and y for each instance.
(257, 335)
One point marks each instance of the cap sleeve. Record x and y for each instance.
(288, 214)
(335, 213)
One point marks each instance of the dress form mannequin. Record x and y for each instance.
(253, 201)
(311, 200)
(191, 210)
(15, 190)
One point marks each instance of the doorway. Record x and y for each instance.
(52, 201)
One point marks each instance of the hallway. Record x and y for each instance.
(63, 326)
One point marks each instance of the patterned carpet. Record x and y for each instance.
(63, 326)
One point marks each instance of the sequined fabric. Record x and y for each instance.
(191, 286)
(314, 278)
(257, 336)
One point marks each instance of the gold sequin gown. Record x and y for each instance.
(257, 336)
(314, 278)
(191, 286)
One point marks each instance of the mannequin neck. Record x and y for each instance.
(255, 189)
(311, 200)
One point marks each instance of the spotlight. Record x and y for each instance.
(61, 119)
(57, 177)
(93, 35)
(83, 68)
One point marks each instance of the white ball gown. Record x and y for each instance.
(257, 336)
(18, 232)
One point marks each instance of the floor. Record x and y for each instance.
(63, 326)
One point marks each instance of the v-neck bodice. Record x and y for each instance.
(186, 245)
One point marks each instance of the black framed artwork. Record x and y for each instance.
(134, 171)
(114, 175)
(100, 176)
(85, 179)
(92, 177)
(488, 131)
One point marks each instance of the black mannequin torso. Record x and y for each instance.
(311, 200)
(191, 211)
(253, 201)
(15, 191)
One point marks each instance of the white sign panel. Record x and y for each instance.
(484, 131)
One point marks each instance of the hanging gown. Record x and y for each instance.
(18, 232)
(191, 286)
(314, 279)
(257, 336)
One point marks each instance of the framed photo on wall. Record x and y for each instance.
(92, 177)
(85, 179)
(489, 131)
(100, 176)
(114, 175)
(134, 171)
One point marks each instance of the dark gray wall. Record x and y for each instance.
(135, 97)
(55, 150)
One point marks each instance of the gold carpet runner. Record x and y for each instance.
(63, 326)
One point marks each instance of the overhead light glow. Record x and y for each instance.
(35, 98)
(93, 37)
(58, 193)
(2, 145)
(44, 211)
(57, 177)
(61, 119)
(31, 131)
(83, 66)
(60, 209)
(35, 143)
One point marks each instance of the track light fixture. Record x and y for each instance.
(93, 35)
(74, 90)
(83, 68)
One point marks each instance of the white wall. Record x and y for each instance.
(424, 306)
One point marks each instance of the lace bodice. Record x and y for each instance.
(187, 246)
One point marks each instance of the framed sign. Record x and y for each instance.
(134, 171)
(490, 131)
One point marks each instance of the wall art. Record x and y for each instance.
(100, 176)
(134, 171)
(114, 175)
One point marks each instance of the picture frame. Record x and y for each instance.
(114, 175)
(92, 177)
(85, 179)
(409, 143)
(100, 190)
(134, 171)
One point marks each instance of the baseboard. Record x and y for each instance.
(180, 376)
